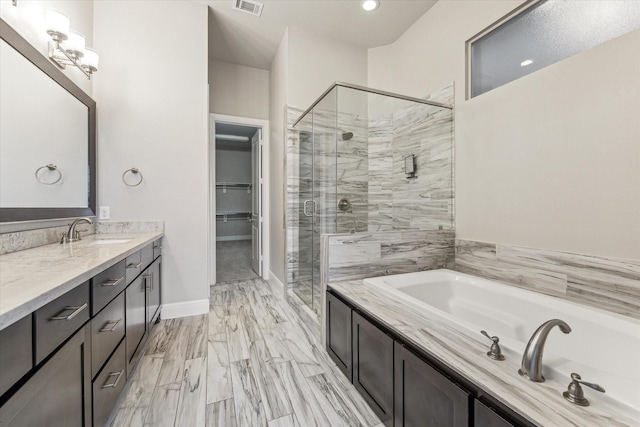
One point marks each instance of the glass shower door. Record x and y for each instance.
(317, 196)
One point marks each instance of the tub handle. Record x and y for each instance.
(575, 394)
(495, 352)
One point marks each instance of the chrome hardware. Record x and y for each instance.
(496, 351)
(51, 167)
(76, 311)
(115, 383)
(72, 234)
(575, 394)
(531, 366)
(146, 282)
(136, 172)
(114, 282)
(344, 205)
(113, 328)
(132, 265)
(304, 207)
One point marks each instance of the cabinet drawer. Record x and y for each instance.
(108, 385)
(157, 248)
(106, 285)
(15, 352)
(133, 265)
(107, 330)
(58, 320)
(147, 255)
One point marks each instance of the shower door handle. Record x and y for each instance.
(304, 207)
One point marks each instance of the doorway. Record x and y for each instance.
(237, 212)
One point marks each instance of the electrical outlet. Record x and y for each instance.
(105, 212)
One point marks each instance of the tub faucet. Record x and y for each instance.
(531, 367)
(72, 234)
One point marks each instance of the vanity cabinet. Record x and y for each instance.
(373, 367)
(425, 397)
(136, 314)
(153, 291)
(58, 393)
(339, 334)
(66, 363)
(484, 416)
(16, 351)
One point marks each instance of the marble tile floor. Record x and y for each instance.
(249, 362)
(233, 261)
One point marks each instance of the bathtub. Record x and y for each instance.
(602, 347)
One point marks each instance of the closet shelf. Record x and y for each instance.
(224, 186)
(233, 216)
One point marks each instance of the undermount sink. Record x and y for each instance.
(109, 241)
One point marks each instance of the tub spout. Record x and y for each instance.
(531, 367)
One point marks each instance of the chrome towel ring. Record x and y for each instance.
(134, 171)
(51, 167)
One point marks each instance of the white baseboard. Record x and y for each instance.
(273, 279)
(183, 309)
(230, 238)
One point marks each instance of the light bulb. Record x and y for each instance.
(370, 5)
(57, 25)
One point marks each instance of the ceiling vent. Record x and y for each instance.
(252, 7)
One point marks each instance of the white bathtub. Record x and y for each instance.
(602, 347)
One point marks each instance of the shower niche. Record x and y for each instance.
(347, 172)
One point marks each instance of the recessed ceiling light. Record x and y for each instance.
(526, 62)
(370, 5)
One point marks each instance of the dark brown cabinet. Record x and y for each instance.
(424, 397)
(153, 291)
(136, 318)
(373, 367)
(59, 393)
(339, 334)
(16, 352)
(487, 417)
(403, 388)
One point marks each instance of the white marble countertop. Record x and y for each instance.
(540, 403)
(32, 278)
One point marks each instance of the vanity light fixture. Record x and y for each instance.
(370, 5)
(526, 62)
(67, 47)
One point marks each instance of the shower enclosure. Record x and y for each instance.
(363, 160)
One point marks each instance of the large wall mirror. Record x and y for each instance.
(47, 137)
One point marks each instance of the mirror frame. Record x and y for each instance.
(25, 48)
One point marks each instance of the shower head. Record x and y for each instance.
(347, 136)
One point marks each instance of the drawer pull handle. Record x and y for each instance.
(76, 311)
(112, 328)
(114, 383)
(132, 265)
(114, 282)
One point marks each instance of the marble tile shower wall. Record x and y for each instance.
(427, 201)
(606, 283)
(361, 255)
(338, 174)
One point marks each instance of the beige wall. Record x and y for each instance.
(551, 160)
(315, 63)
(153, 115)
(278, 78)
(28, 19)
(236, 90)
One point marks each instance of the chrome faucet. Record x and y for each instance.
(531, 366)
(73, 235)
